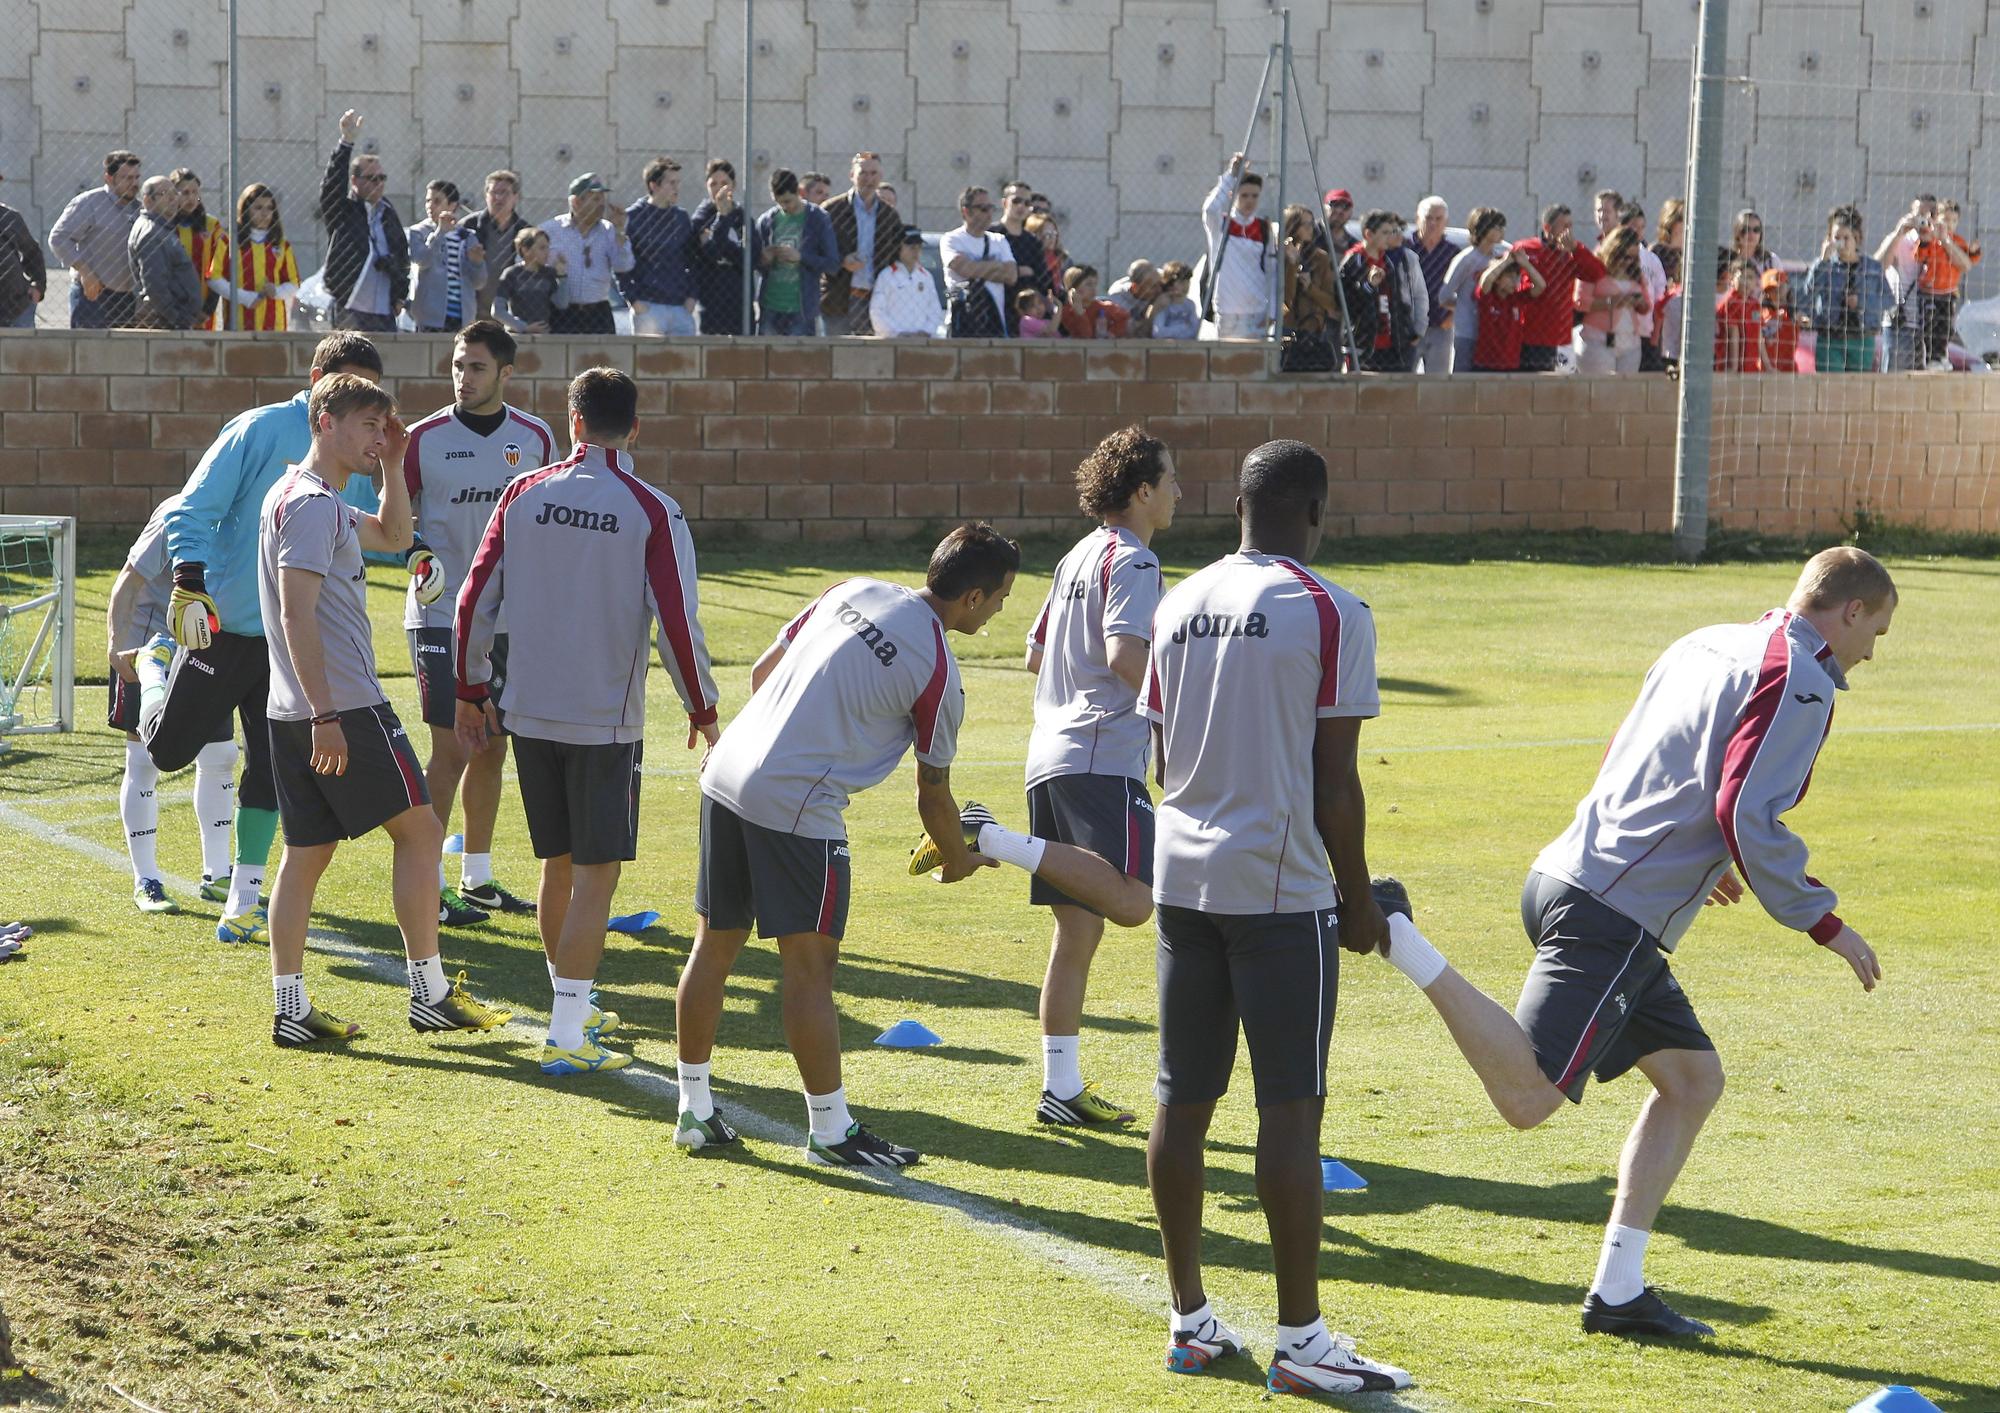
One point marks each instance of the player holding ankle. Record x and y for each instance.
(343, 764)
(459, 461)
(582, 558)
(1719, 745)
(1087, 756)
(853, 682)
(137, 613)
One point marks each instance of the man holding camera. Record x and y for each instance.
(367, 251)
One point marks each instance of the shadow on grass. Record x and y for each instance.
(1952, 1395)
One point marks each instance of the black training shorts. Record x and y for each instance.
(1276, 974)
(580, 800)
(1110, 815)
(383, 778)
(231, 675)
(433, 658)
(783, 884)
(1599, 996)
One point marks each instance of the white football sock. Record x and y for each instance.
(1193, 1320)
(215, 804)
(570, 1011)
(1412, 954)
(475, 869)
(695, 1098)
(1021, 850)
(443, 882)
(1624, 1251)
(290, 994)
(245, 882)
(1061, 1075)
(1306, 1344)
(427, 983)
(139, 808)
(827, 1113)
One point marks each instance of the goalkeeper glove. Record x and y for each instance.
(190, 611)
(426, 574)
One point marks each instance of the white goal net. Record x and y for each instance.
(37, 624)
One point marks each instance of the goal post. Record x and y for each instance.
(37, 624)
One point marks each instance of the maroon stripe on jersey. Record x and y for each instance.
(491, 546)
(663, 572)
(1040, 637)
(925, 712)
(1104, 563)
(413, 466)
(541, 433)
(792, 629)
(1739, 757)
(1329, 633)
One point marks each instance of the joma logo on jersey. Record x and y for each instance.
(1076, 589)
(1222, 625)
(459, 455)
(601, 520)
(472, 495)
(865, 629)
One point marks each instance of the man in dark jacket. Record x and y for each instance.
(24, 271)
(164, 282)
(718, 251)
(367, 251)
(1373, 275)
(870, 235)
(660, 284)
(493, 231)
(793, 244)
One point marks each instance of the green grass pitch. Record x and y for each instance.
(190, 1218)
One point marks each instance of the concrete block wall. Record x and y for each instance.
(822, 440)
(1122, 110)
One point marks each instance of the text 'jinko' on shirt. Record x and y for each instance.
(585, 557)
(1720, 743)
(456, 475)
(1087, 719)
(865, 676)
(1248, 655)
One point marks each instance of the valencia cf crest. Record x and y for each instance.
(512, 451)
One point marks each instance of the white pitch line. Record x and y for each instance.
(1074, 1257)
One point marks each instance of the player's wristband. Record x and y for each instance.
(192, 574)
(1826, 929)
(332, 718)
(473, 692)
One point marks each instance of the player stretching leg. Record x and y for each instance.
(460, 459)
(212, 659)
(847, 687)
(1087, 756)
(1260, 679)
(343, 764)
(581, 558)
(1720, 744)
(137, 614)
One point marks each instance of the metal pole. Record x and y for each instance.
(1691, 445)
(1257, 104)
(743, 182)
(234, 317)
(1318, 186)
(1283, 112)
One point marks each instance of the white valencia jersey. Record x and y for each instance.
(1087, 720)
(456, 475)
(1248, 655)
(866, 676)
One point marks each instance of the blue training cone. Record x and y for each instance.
(1336, 1176)
(909, 1035)
(455, 844)
(632, 922)
(1896, 1398)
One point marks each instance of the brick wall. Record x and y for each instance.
(827, 440)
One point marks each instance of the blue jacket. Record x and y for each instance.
(819, 253)
(1825, 295)
(216, 521)
(661, 239)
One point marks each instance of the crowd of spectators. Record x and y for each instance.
(1362, 293)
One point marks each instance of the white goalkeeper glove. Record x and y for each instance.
(426, 574)
(190, 611)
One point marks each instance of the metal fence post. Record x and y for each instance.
(743, 182)
(1697, 404)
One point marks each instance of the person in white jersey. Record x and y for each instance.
(459, 460)
(342, 763)
(583, 558)
(1685, 811)
(135, 615)
(1261, 675)
(1086, 772)
(855, 680)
